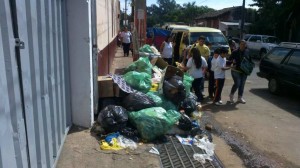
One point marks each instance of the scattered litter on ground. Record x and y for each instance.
(154, 151)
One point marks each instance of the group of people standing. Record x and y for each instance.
(200, 65)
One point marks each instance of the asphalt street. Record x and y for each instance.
(264, 131)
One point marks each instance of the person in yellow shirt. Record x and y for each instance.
(200, 45)
(204, 50)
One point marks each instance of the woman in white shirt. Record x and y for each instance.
(196, 66)
(126, 40)
(166, 50)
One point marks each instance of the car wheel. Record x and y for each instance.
(273, 86)
(262, 53)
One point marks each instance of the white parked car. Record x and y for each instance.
(259, 45)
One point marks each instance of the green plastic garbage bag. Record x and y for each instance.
(140, 81)
(167, 104)
(156, 98)
(161, 101)
(146, 48)
(143, 64)
(187, 82)
(153, 122)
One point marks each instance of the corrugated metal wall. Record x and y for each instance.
(34, 88)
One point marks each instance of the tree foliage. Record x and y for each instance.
(191, 11)
(170, 11)
(275, 17)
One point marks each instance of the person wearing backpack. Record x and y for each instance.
(239, 77)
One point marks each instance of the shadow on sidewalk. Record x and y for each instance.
(119, 71)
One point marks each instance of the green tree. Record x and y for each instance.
(166, 11)
(277, 17)
(153, 15)
(190, 11)
(169, 11)
(166, 6)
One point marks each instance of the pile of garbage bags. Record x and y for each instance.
(157, 104)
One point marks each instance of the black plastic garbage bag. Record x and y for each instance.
(189, 104)
(130, 133)
(174, 90)
(196, 131)
(192, 95)
(137, 101)
(185, 123)
(113, 118)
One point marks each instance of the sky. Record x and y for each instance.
(215, 4)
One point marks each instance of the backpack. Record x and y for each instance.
(247, 66)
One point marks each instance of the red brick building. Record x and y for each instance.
(227, 20)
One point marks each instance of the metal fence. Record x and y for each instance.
(34, 88)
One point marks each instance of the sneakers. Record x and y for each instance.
(231, 98)
(241, 100)
(219, 103)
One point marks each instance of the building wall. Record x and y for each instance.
(108, 12)
(211, 22)
(214, 22)
(79, 48)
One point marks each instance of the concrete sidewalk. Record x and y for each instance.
(82, 149)
(120, 62)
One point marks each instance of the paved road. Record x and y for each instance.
(264, 131)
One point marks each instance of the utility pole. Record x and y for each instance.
(242, 20)
(125, 14)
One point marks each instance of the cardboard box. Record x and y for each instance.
(159, 65)
(171, 71)
(105, 86)
(118, 92)
(159, 62)
(168, 72)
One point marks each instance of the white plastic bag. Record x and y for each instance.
(126, 143)
(201, 157)
(206, 145)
